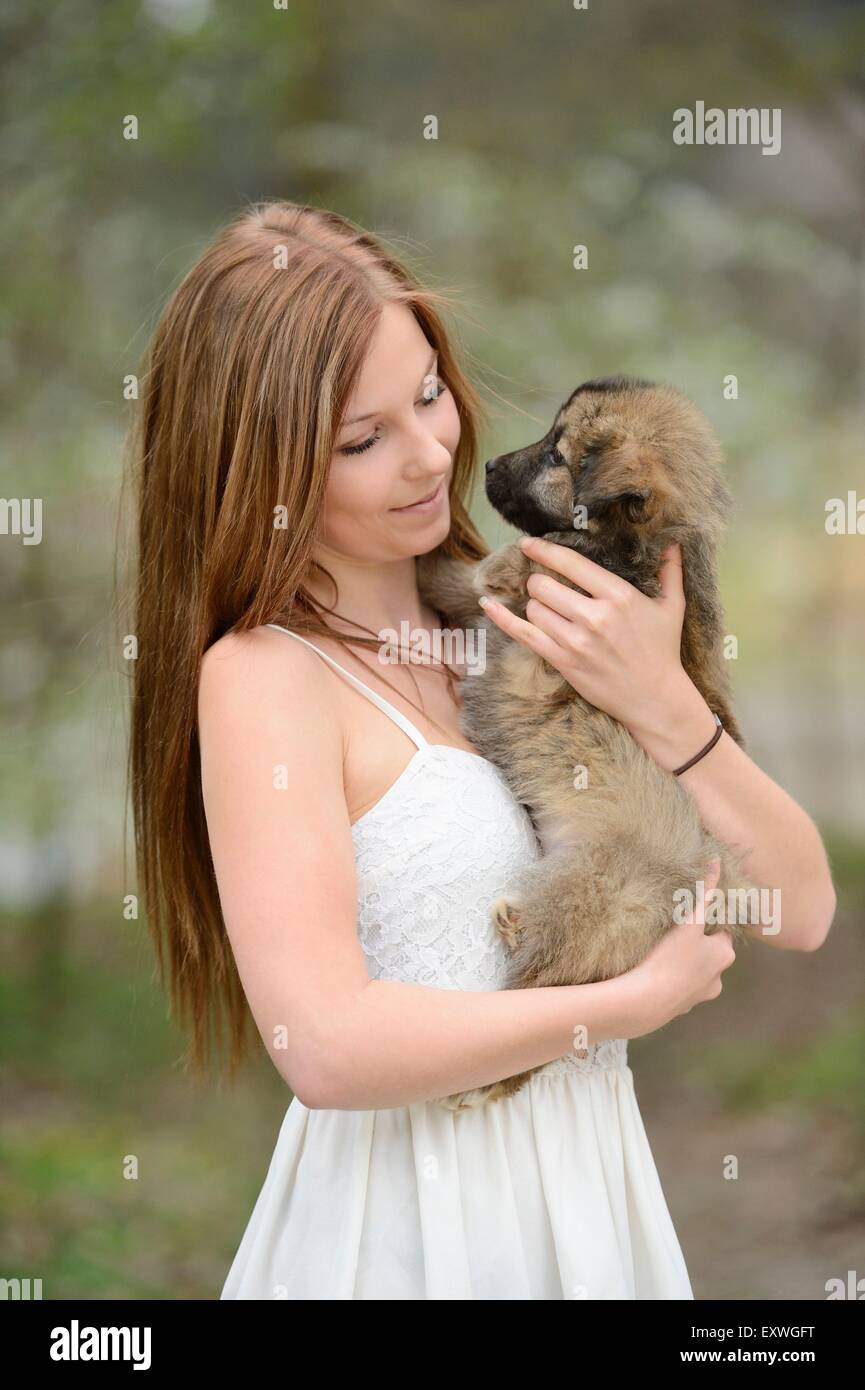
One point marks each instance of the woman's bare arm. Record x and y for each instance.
(272, 776)
(621, 650)
(781, 846)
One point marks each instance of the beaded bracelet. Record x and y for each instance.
(703, 751)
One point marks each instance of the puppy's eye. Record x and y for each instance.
(554, 458)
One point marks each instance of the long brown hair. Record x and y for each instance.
(243, 384)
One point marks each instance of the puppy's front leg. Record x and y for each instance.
(453, 587)
(503, 574)
(447, 586)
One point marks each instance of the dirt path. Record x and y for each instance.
(795, 1215)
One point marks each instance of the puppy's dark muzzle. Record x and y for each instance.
(497, 482)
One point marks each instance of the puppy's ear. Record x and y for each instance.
(633, 502)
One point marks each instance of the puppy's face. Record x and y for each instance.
(624, 463)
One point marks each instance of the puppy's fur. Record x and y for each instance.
(645, 465)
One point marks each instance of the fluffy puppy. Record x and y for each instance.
(626, 469)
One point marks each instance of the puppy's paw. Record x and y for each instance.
(506, 920)
(503, 574)
(467, 1100)
(486, 1095)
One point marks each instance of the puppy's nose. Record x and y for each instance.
(490, 464)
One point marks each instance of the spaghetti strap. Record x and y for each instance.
(384, 705)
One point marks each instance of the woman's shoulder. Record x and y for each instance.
(266, 705)
(263, 647)
(264, 666)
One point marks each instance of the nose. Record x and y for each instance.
(490, 464)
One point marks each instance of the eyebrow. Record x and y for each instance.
(369, 414)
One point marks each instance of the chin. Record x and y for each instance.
(440, 526)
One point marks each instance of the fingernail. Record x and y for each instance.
(483, 600)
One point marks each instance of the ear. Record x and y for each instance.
(633, 502)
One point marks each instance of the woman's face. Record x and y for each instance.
(395, 446)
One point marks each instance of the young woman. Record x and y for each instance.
(319, 845)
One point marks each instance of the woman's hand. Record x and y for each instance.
(618, 648)
(684, 968)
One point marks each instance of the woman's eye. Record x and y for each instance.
(431, 396)
(430, 399)
(359, 448)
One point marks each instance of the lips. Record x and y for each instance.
(428, 498)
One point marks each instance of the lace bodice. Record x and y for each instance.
(444, 841)
(432, 855)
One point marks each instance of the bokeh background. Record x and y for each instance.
(554, 129)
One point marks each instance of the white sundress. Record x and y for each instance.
(551, 1193)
